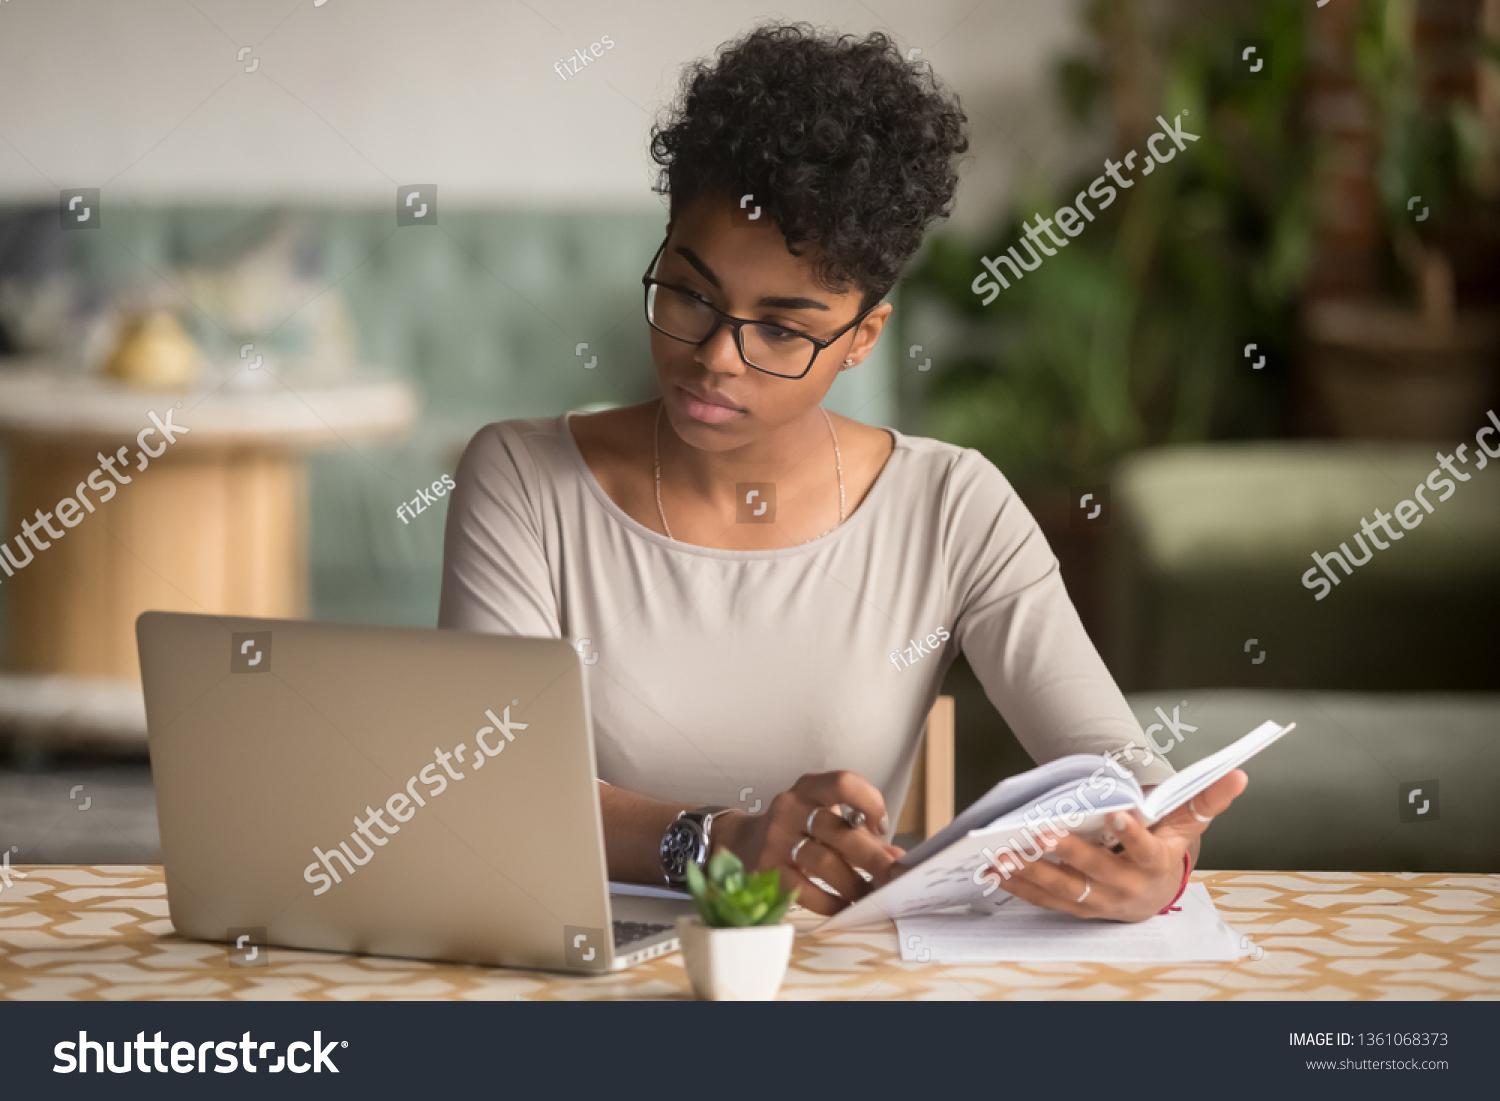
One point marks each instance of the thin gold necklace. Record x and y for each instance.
(838, 460)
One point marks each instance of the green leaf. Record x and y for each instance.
(729, 897)
(774, 915)
(730, 914)
(698, 888)
(724, 864)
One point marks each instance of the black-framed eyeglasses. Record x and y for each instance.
(683, 315)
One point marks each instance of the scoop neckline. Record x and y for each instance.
(639, 529)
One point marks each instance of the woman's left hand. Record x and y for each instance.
(1130, 885)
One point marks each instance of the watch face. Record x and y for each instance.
(680, 845)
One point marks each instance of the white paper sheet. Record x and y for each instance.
(641, 890)
(1018, 932)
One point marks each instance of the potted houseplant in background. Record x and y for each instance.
(736, 947)
(1417, 357)
(1135, 335)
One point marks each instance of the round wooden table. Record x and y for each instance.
(216, 522)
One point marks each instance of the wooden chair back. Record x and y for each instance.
(929, 799)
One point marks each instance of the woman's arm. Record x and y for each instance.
(1015, 623)
(1026, 644)
(496, 576)
(634, 825)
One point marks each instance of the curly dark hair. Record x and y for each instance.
(844, 143)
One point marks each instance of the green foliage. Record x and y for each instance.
(1134, 334)
(729, 898)
(1439, 151)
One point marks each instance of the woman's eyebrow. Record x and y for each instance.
(770, 302)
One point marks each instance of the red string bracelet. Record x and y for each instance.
(1187, 870)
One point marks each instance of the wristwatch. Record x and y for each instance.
(687, 839)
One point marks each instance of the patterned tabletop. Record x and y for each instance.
(102, 933)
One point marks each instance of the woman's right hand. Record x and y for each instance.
(834, 849)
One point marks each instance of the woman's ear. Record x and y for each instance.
(866, 334)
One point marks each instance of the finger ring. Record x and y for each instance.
(1087, 887)
(1193, 810)
(798, 848)
(807, 829)
(852, 816)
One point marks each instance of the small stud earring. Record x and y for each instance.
(848, 363)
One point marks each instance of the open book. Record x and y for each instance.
(1072, 794)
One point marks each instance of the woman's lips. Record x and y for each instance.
(706, 411)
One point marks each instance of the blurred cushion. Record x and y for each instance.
(1211, 543)
(1329, 795)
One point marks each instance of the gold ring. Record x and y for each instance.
(1087, 887)
(1193, 810)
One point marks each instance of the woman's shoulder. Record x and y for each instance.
(948, 465)
(553, 449)
(518, 432)
(520, 447)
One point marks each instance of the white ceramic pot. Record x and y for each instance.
(734, 965)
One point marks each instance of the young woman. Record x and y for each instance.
(772, 593)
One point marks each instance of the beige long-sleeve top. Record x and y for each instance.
(724, 675)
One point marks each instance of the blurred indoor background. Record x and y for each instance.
(1276, 333)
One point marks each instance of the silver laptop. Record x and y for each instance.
(384, 790)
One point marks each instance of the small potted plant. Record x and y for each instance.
(736, 947)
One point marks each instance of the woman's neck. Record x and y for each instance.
(797, 457)
(701, 489)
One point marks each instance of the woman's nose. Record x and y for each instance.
(720, 354)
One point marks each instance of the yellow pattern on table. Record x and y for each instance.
(102, 933)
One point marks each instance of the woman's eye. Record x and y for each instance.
(687, 297)
(779, 336)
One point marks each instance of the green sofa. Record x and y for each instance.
(1211, 543)
(1335, 794)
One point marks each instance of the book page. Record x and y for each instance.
(1178, 789)
(963, 873)
(1016, 792)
